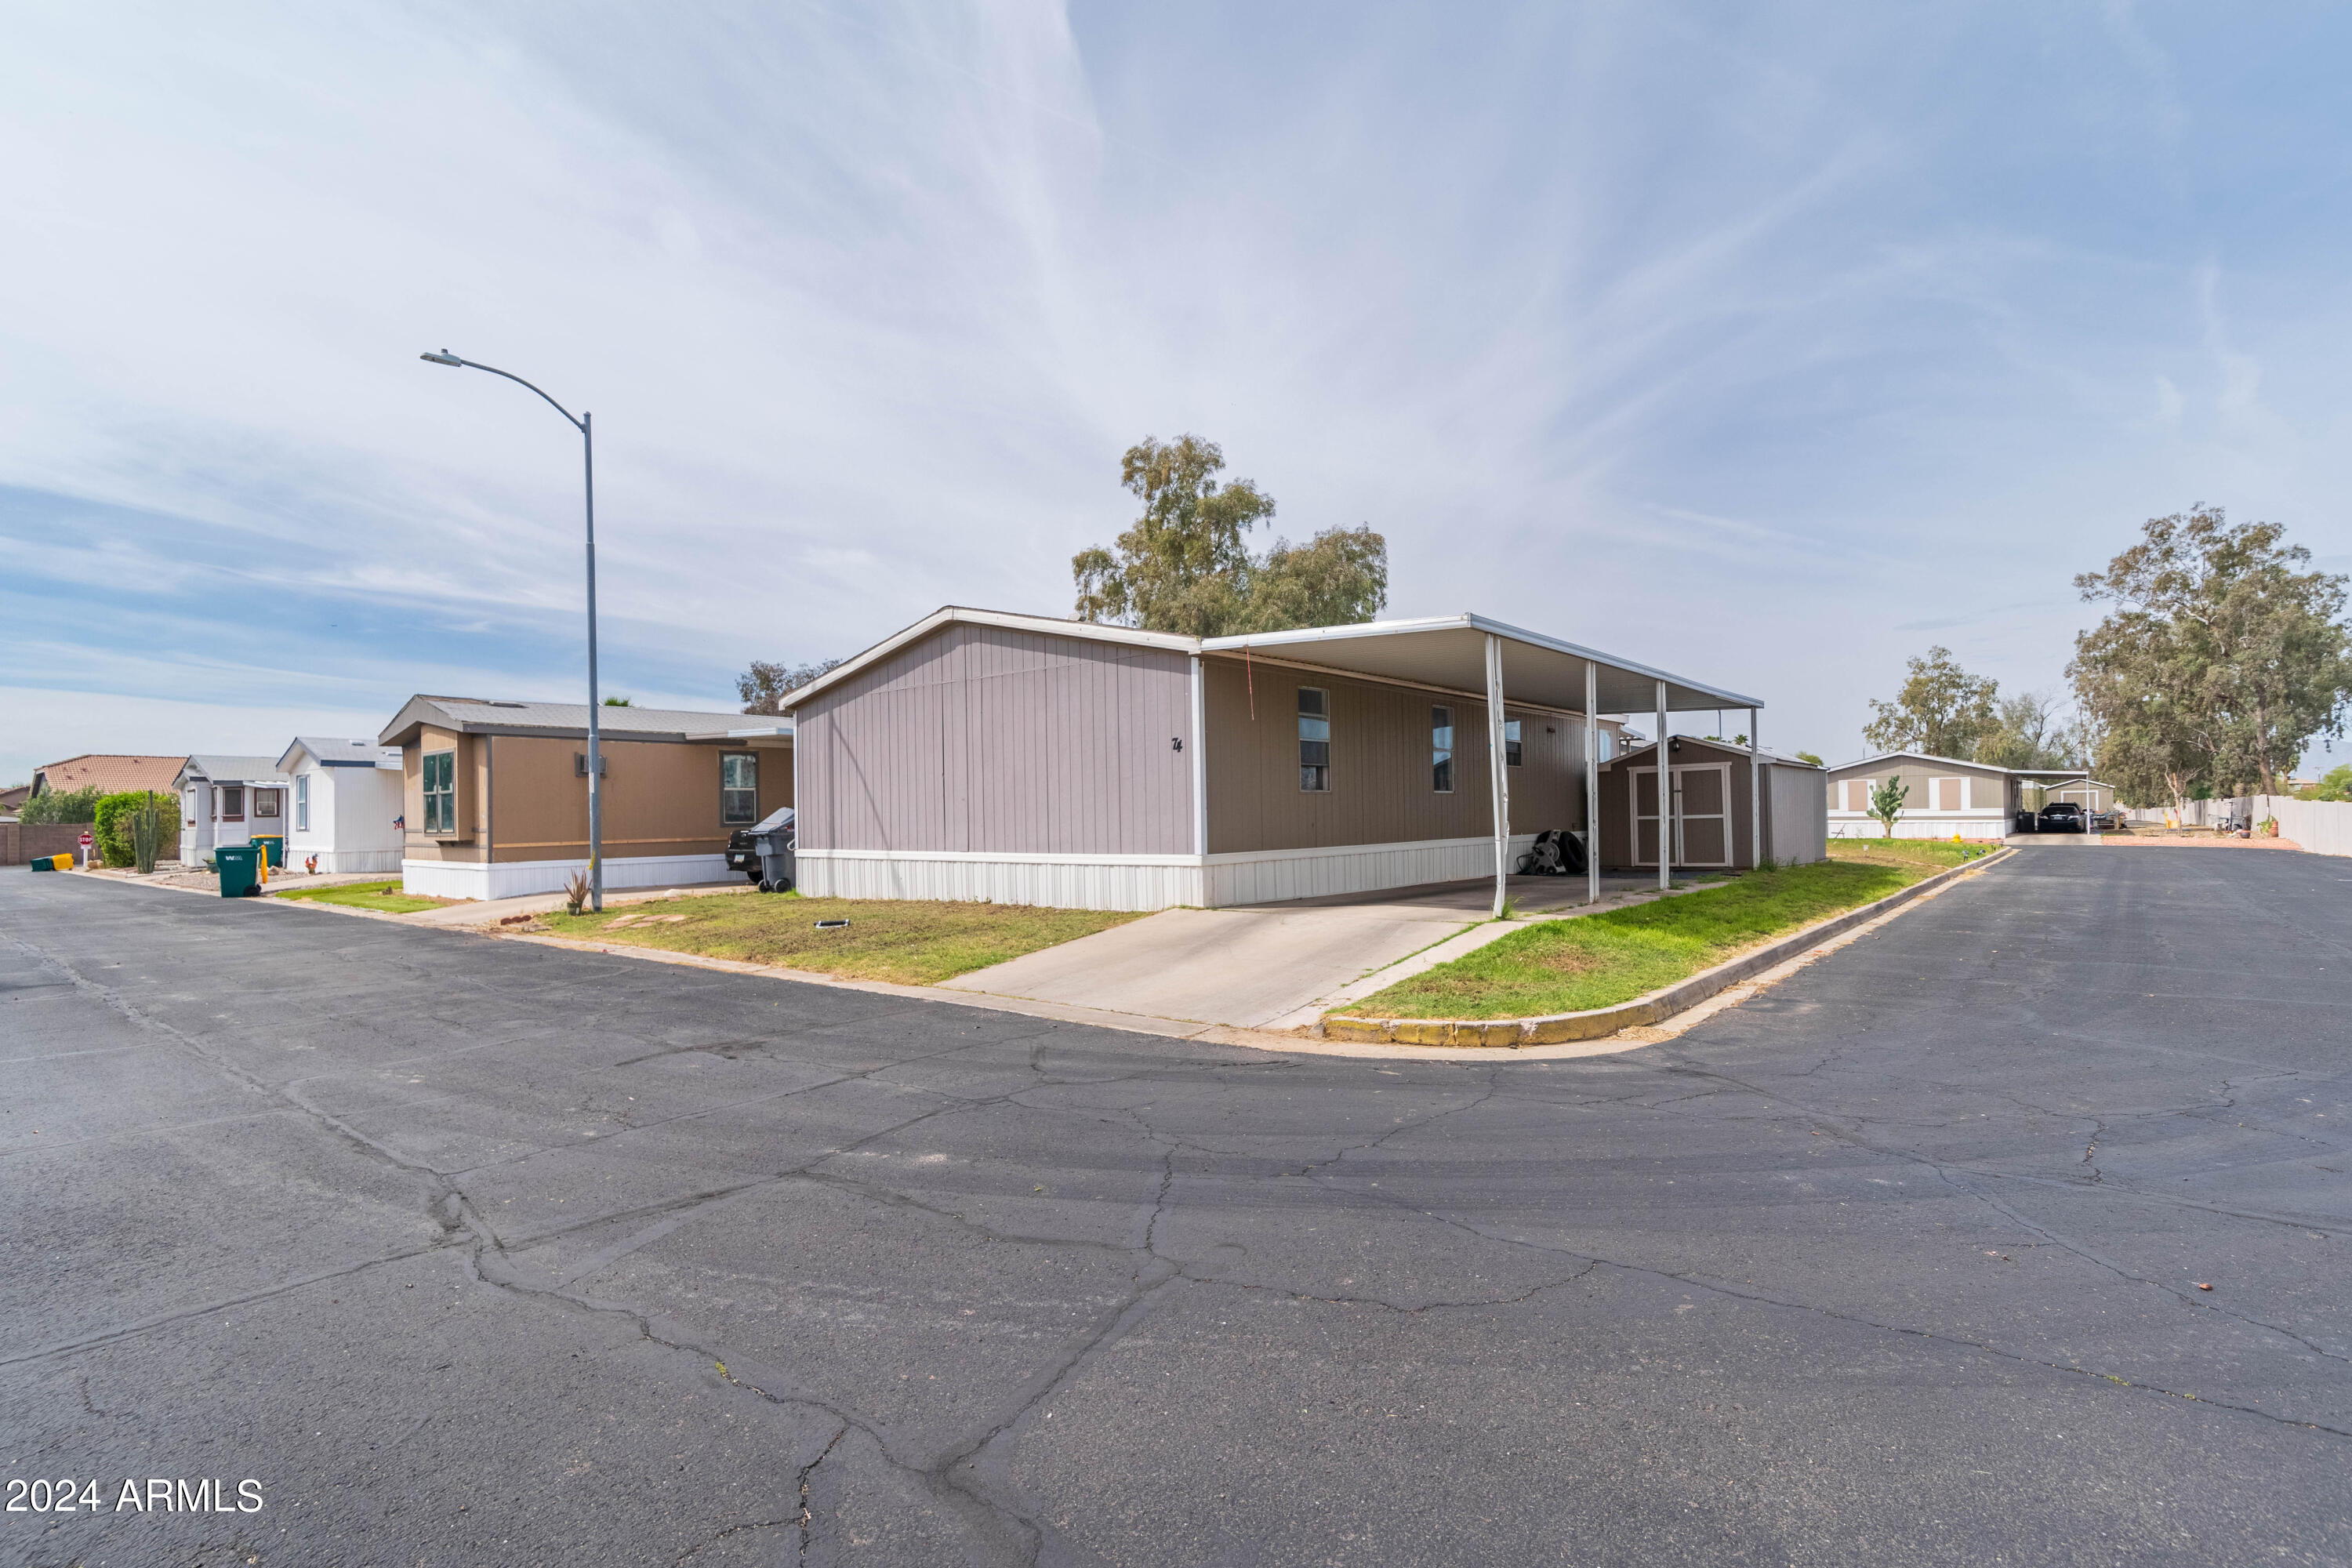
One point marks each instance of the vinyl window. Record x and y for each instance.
(1314, 739)
(302, 804)
(1947, 794)
(440, 792)
(1512, 755)
(232, 803)
(1440, 750)
(265, 803)
(738, 788)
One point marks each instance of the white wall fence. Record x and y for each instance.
(2322, 826)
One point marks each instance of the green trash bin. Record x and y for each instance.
(274, 845)
(241, 870)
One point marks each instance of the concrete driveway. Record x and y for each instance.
(1270, 964)
(471, 1251)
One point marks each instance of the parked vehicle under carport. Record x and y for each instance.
(2060, 817)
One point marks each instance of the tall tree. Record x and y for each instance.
(762, 687)
(1941, 710)
(1185, 565)
(2026, 734)
(2218, 645)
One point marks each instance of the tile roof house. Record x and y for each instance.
(110, 771)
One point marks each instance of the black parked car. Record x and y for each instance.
(2060, 817)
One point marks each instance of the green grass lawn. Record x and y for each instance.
(911, 942)
(1601, 960)
(384, 895)
(1936, 854)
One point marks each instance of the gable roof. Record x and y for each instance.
(339, 753)
(111, 771)
(1649, 746)
(1958, 762)
(1444, 650)
(484, 716)
(221, 769)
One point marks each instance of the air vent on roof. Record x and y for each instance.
(505, 705)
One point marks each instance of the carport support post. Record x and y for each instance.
(1755, 795)
(1665, 800)
(1497, 763)
(1591, 784)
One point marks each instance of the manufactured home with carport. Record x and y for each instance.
(1022, 759)
(495, 794)
(1947, 797)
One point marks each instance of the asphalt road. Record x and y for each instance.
(471, 1251)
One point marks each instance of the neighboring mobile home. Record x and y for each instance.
(1709, 807)
(345, 806)
(495, 794)
(1022, 759)
(1974, 800)
(229, 801)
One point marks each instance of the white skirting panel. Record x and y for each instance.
(514, 878)
(342, 862)
(1273, 877)
(1049, 881)
(1146, 881)
(1978, 824)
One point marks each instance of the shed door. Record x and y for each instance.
(1701, 795)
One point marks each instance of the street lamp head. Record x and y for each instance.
(443, 357)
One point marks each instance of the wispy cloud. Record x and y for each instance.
(1845, 323)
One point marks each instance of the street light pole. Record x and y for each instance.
(595, 751)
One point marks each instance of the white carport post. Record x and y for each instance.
(1754, 794)
(1665, 801)
(1591, 784)
(1496, 763)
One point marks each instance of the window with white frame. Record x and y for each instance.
(1314, 740)
(1440, 750)
(440, 792)
(1946, 794)
(1857, 794)
(1511, 752)
(738, 788)
(302, 803)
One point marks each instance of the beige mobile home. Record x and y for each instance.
(495, 794)
(979, 754)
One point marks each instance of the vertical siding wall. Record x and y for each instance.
(986, 740)
(1380, 775)
(1796, 814)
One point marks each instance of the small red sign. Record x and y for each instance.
(85, 840)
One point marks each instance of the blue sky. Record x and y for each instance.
(1768, 345)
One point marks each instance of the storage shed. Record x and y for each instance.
(1713, 815)
(979, 754)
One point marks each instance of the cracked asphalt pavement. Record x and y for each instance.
(471, 1250)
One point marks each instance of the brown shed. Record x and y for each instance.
(1713, 818)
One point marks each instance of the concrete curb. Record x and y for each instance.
(1558, 1029)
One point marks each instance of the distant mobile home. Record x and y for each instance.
(494, 793)
(227, 801)
(985, 755)
(1949, 797)
(343, 808)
